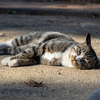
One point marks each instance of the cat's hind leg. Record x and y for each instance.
(11, 48)
(5, 45)
(15, 50)
(19, 41)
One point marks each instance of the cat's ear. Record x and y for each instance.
(88, 39)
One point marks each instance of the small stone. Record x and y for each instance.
(82, 25)
(53, 90)
(59, 73)
(34, 95)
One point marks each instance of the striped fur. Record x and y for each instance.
(49, 48)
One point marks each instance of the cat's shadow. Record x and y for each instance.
(97, 67)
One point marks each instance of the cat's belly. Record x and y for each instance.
(50, 56)
(61, 57)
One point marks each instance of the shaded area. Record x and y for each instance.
(59, 92)
(52, 8)
(64, 24)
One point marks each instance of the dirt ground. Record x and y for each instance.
(62, 83)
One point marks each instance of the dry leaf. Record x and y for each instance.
(33, 83)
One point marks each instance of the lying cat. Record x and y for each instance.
(49, 48)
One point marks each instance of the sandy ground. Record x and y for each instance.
(62, 83)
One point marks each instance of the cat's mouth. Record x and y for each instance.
(74, 60)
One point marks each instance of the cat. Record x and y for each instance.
(49, 48)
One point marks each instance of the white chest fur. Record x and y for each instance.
(62, 57)
(66, 61)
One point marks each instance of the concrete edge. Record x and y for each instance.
(47, 12)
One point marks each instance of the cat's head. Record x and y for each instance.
(83, 56)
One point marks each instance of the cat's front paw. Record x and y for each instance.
(5, 61)
(13, 63)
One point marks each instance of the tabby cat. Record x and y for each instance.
(49, 48)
